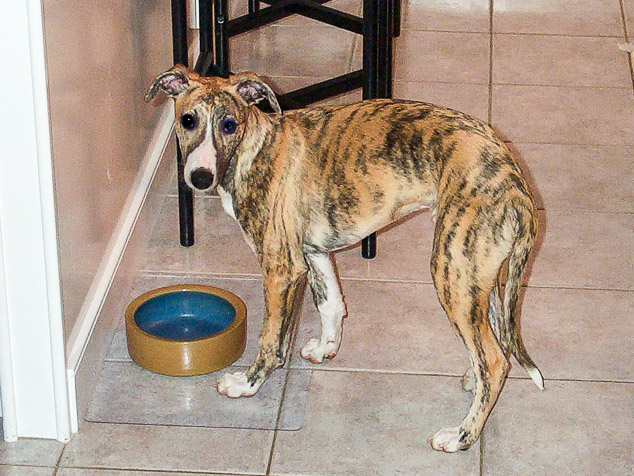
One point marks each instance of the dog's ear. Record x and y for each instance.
(252, 90)
(172, 82)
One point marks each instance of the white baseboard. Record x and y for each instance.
(104, 277)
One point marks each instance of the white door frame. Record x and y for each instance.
(34, 395)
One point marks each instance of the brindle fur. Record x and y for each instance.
(311, 181)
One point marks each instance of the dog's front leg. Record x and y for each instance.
(282, 293)
(329, 302)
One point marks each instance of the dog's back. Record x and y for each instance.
(367, 164)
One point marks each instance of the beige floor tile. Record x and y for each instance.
(580, 177)
(128, 394)
(472, 99)
(580, 61)
(578, 333)
(25, 471)
(564, 115)
(442, 56)
(585, 250)
(168, 448)
(375, 424)
(565, 17)
(218, 248)
(446, 15)
(404, 320)
(27, 451)
(572, 428)
(292, 51)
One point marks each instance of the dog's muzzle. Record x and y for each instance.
(201, 178)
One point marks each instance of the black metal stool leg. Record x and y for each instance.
(396, 18)
(384, 47)
(221, 18)
(254, 6)
(185, 195)
(370, 53)
(370, 84)
(206, 27)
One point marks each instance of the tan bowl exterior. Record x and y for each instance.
(187, 358)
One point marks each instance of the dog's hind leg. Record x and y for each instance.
(463, 280)
(499, 328)
(283, 286)
(490, 367)
(329, 302)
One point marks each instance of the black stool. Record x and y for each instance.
(380, 23)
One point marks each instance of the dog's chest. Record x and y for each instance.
(227, 204)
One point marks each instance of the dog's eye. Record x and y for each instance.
(229, 126)
(189, 121)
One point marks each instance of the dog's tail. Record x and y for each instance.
(526, 226)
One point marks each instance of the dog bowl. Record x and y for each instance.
(186, 329)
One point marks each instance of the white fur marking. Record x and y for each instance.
(447, 440)
(331, 312)
(235, 385)
(536, 375)
(202, 156)
(227, 202)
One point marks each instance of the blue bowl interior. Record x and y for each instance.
(185, 315)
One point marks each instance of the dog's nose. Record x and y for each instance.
(202, 178)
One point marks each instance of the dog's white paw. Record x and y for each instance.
(235, 385)
(468, 381)
(448, 440)
(316, 351)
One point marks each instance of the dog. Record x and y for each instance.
(304, 183)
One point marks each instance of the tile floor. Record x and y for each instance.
(548, 74)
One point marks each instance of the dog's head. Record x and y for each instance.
(211, 115)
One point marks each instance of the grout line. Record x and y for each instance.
(481, 32)
(378, 371)
(558, 35)
(421, 282)
(456, 376)
(59, 460)
(157, 274)
(295, 324)
(585, 144)
(24, 465)
(580, 380)
(561, 86)
(164, 471)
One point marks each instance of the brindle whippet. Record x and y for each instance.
(308, 182)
